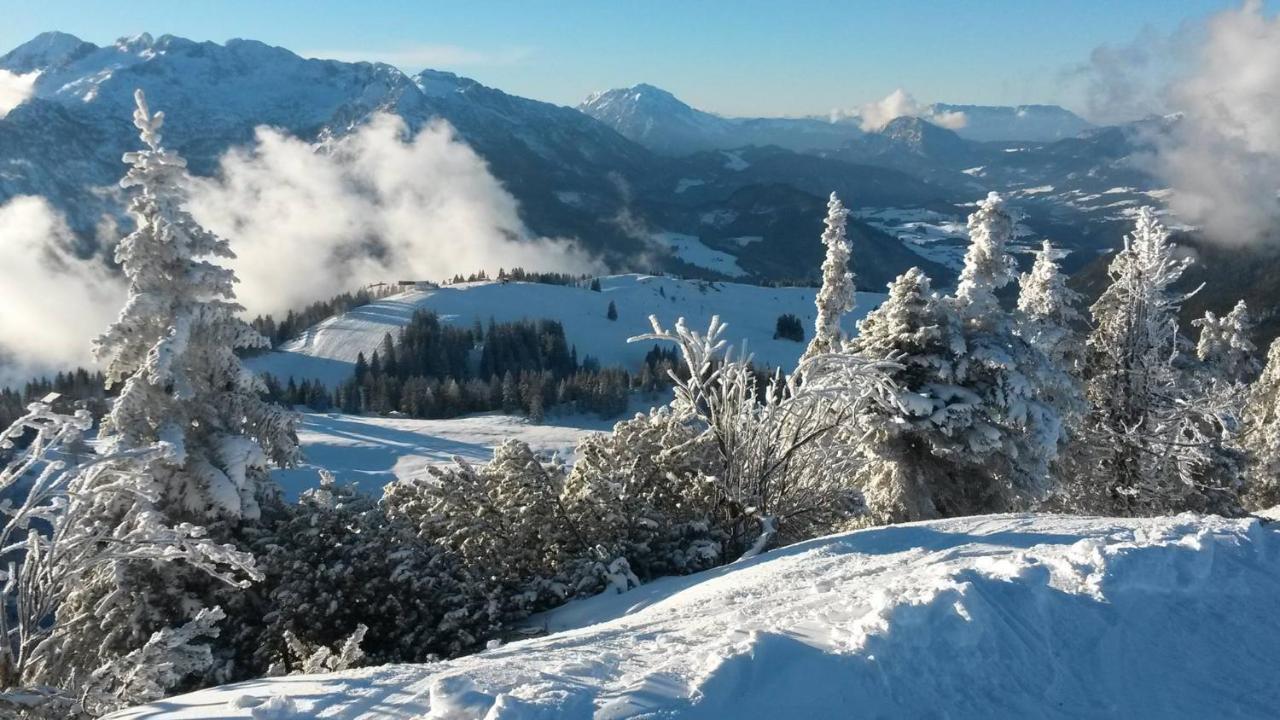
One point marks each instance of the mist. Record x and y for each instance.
(52, 303)
(1218, 81)
(1222, 158)
(307, 223)
(15, 89)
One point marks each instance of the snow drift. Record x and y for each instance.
(997, 616)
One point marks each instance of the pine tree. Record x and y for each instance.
(836, 296)
(1048, 320)
(172, 351)
(970, 432)
(1261, 434)
(612, 312)
(987, 265)
(1150, 434)
(1225, 348)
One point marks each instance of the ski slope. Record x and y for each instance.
(1007, 616)
(328, 351)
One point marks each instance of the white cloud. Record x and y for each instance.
(15, 89)
(1222, 159)
(374, 205)
(52, 303)
(900, 103)
(419, 57)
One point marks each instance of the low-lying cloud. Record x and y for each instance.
(900, 103)
(377, 204)
(1222, 158)
(15, 89)
(1218, 80)
(305, 222)
(52, 303)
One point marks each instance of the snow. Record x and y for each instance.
(369, 452)
(733, 160)
(328, 351)
(686, 183)
(940, 237)
(692, 250)
(1005, 616)
(569, 197)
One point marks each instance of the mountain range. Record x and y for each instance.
(637, 177)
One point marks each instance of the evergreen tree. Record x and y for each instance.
(1261, 434)
(172, 351)
(1048, 320)
(836, 297)
(1225, 348)
(1150, 434)
(612, 312)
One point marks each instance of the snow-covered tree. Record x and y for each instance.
(836, 297)
(970, 431)
(1225, 348)
(1151, 432)
(173, 351)
(505, 520)
(172, 354)
(336, 565)
(1261, 434)
(783, 472)
(1047, 318)
(643, 492)
(54, 541)
(987, 265)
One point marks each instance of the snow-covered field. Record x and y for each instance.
(1012, 616)
(328, 351)
(940, 237)
(369, 452)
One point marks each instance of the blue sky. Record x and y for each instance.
(748, 57)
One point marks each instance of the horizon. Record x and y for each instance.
(800, 73)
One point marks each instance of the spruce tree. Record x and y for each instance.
(172, 353)
(836, 296)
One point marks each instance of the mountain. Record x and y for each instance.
(1022, 123)
(996, 616)
(658, 120)
(663, 123)
(573, 175)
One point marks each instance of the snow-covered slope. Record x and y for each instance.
(328, 351)
(987, 617)
(369, 452)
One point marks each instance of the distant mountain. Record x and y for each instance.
(573, 175)
(663, 123)
(658, 120)
(1022, 123)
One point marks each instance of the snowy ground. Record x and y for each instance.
(328, 351)
(940, 237)
(988, 617)
(369, 452)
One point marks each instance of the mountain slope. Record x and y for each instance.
(328, 351)
(573, 176)
(985, 617)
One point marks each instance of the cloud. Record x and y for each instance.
(307, 223)
(1222, 159)
(419, 57)
(1125, 82)
(900, 103)
(52, 303)
(15, 89)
